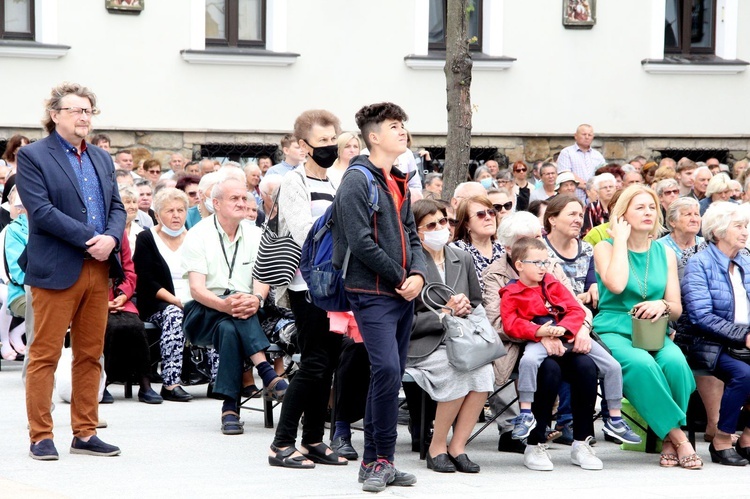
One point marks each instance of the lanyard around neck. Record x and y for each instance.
(224, 251)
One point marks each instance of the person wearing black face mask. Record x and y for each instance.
(305, 194)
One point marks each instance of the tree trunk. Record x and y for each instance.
(458, 65)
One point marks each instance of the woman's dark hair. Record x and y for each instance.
(186, 181)
(426, 207)
(536, 206)
(556, 205)
(12, 147)
(463, 216)
(612, 168)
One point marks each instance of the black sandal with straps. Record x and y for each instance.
(284, 459)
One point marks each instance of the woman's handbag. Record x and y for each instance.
(649, 335)
(278, 256)
(471, 342)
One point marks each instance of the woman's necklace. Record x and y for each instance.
(642, 286)
(310, 174)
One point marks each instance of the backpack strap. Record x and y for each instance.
(372, 201)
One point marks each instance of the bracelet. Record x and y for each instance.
(667, 310)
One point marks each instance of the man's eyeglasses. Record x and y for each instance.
(481, 215)
(77, 111)
(505, 206)
(519, 170)
(674, 191)
(542, 264)
(433, 225)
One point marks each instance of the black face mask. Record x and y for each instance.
(325, 156)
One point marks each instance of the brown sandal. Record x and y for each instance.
(668, 459)
(692, 458)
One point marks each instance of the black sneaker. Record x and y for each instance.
(94, 447)
(44, 450)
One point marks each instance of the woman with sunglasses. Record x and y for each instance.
(460, 396)
(521, 188)
(476, 232)
(502, 202)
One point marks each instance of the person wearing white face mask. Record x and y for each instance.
(460, 396)
(206, 205)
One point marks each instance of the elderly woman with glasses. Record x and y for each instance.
(684, 220)
(460, 396)
(476, 232)
(719, 189)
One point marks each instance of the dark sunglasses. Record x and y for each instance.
(500, 207)
(453, 222)
(675, 191)
(433, 225)
(481, 215)
(520, 170)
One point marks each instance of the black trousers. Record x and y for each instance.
(310, 387)
(578, 370)
(126, 353)
(352, 381)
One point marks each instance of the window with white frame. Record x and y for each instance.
(690, 27)
(17, 20)
(438, 20)
(236, 23)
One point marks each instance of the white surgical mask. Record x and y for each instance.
(172, 232)
(436, 239)
(209, 204)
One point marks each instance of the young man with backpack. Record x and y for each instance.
(385, 273)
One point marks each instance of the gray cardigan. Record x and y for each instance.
(427, 330)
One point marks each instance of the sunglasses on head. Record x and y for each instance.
(433, 225)
(481, 215)
(518, 170)
(506, 206)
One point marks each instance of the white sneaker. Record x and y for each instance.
(584, 456)
(536, 458)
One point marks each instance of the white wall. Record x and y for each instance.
(352, 54)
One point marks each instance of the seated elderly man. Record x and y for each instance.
(218, 256)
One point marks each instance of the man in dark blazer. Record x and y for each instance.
(76, 221)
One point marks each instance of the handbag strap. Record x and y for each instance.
(431, 303)
(264, 227)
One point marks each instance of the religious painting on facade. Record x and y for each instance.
(579, 13)
(125, 6)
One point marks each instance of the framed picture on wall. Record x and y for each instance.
(124, 6)
(579, 13)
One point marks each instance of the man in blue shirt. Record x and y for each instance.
(293, 156)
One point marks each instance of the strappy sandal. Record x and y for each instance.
(668, 459)
(694, 458)
(284, 459)
(231, 424)
(318, 454)
(274, 394)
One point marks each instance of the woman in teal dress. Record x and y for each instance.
(636, 274)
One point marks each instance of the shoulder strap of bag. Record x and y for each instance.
(264, 227)
(372, 203)
(430, 302)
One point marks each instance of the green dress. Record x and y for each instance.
(658, 384)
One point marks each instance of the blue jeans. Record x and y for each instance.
(385, 325)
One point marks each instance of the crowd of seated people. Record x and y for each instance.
(630, 241)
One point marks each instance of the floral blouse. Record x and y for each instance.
(480, 261)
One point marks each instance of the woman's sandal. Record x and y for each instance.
(274, 394)
(284, 459)
(692, 458)
(317, 454)
(668, 459)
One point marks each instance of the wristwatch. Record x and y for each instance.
(261, 300)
